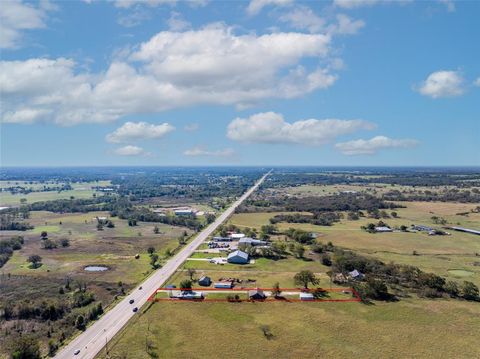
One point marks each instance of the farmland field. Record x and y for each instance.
(383, 330)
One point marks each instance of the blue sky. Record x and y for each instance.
(265, 82)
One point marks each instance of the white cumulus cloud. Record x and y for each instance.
(371, 146)
(17, 16)
(130, 150)
(256, 6)
(442, 84)
(477, 82)
(212, 65)
(131, 131)
(271, 127)
(199, 151)
(351, 4)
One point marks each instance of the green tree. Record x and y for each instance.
(452, 288)
(186, 284)
(305, 277)
(151, 250)
(64, 242)
(469, 291)
(44, 235)
(52, 347)
(153, 260)
(26, 347)
(276, 290)
(191, 273)
(80, 322)
(299, 250)
(156, 230)
(35, 260)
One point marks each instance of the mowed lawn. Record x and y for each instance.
(406, 329)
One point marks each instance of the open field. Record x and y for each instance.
(114, 248)
(371, 188)
(410, 328)
(80, 190)
(438, 254)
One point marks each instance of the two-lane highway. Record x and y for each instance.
(94, 338)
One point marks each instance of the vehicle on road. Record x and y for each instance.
(135, 309)
(131, 301)
(140, 288)
(76, 352)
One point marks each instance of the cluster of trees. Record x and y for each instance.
(447, 195)
(195, 184)
(318, 218)
(13, 219)
(393, 176)
(320, 204)
(380, 275)
(7, 246)
(300, 236)
(45, 188)
(142, 214)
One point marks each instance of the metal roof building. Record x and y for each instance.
(238, 257)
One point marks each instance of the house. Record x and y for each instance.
(355, 274)
(223, 285)
(306, 296)
(205, 281)
(383, 229)
(236, 236)
(256, 294)
(252, 241)
(238, 257)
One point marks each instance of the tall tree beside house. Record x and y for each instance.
(305, 277)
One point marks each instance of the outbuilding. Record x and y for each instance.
(205, 281)
(383, 229)
(256, 294)
(304, 296)
(238, 257)
(223, 285)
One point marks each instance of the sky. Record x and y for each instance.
(261, 82)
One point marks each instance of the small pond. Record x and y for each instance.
(96, 268)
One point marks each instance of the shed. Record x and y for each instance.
(238, 257)
(205, 281)
(306, 296)
(223, 285)
(383, 229)
(256, 294)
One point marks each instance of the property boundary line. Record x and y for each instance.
(356, 296)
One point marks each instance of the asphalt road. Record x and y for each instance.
(92, 340)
